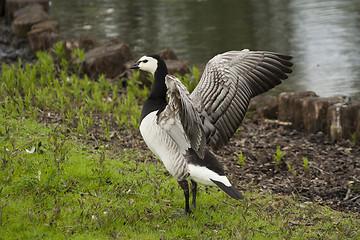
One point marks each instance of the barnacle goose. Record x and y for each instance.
(181, 130)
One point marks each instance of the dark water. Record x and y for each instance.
(322, 35)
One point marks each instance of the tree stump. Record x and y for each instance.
(42, 39)
(33, 14)
(43, 35)
(290, 107)
(11, 6)
(315, 113)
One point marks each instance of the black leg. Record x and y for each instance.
(193, 190)
(185, 186)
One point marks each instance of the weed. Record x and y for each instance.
(289, 167)
(278, 157)
(190, 81)
(306, 164)
(353, 137)
(241, 158)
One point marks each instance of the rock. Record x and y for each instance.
(11, 6)
(342, 120)
(168, 54)
(83, 42)
(177, 66)
(290, 107)
(23, 23)
(109, 59)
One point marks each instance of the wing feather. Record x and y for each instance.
(180, 119)
(228, 83)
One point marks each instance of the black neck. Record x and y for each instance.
(158, 90)
(157, 97)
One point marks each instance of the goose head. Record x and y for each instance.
(152, 63)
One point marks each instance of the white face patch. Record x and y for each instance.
(148, 64)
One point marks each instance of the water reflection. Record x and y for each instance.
(322, 35)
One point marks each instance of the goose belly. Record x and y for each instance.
(164, 147)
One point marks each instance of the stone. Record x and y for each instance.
(290, 107)
(11, 6)
(83, 42)
(168, 54)
(177, 66)
(25, 21)
(109, 59)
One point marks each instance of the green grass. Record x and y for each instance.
(55, 183)
(69, 190)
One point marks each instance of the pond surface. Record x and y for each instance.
(323, 36)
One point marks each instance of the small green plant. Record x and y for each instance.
(241, 158)
(278, 156)
(306, 163)
(289, 167)
(78, 56)
(353, 137)
(190, 80)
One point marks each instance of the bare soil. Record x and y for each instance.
(332, 179)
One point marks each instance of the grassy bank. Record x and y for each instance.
(64, 176)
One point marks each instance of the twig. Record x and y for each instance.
(223, 201)
(352, 199)
(301, 224)
(72, 226)
(50, 117)
(317, 168)
(274, 232)
(7, 91)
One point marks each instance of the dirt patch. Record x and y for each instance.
(332, 176)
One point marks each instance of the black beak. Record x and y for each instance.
(135, 66)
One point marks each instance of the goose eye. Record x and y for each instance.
(145, 61)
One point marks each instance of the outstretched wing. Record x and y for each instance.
(228, 83)
(180, 119)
